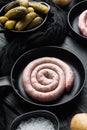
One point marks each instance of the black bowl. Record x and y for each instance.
(10, 34)
(35, 114)
(72, 18)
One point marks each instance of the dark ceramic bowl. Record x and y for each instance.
(14, 33)
(35, 114)
(72, 18)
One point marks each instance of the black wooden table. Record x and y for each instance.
(15, 106)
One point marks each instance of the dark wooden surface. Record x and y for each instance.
(15, 106)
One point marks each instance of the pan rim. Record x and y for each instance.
(55, 104)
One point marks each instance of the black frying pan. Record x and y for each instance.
(65, 55)
(73, 15)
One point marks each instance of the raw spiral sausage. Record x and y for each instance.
(46, 78)
(82, 23)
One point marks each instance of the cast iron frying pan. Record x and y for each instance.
(73, 15)
(63, 54)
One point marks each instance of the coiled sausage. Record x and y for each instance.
(82, 23)
(46, 78)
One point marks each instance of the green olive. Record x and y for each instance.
(30, 9)
(3, 19)
(10, 24)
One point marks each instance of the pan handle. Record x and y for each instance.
(5, 84)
